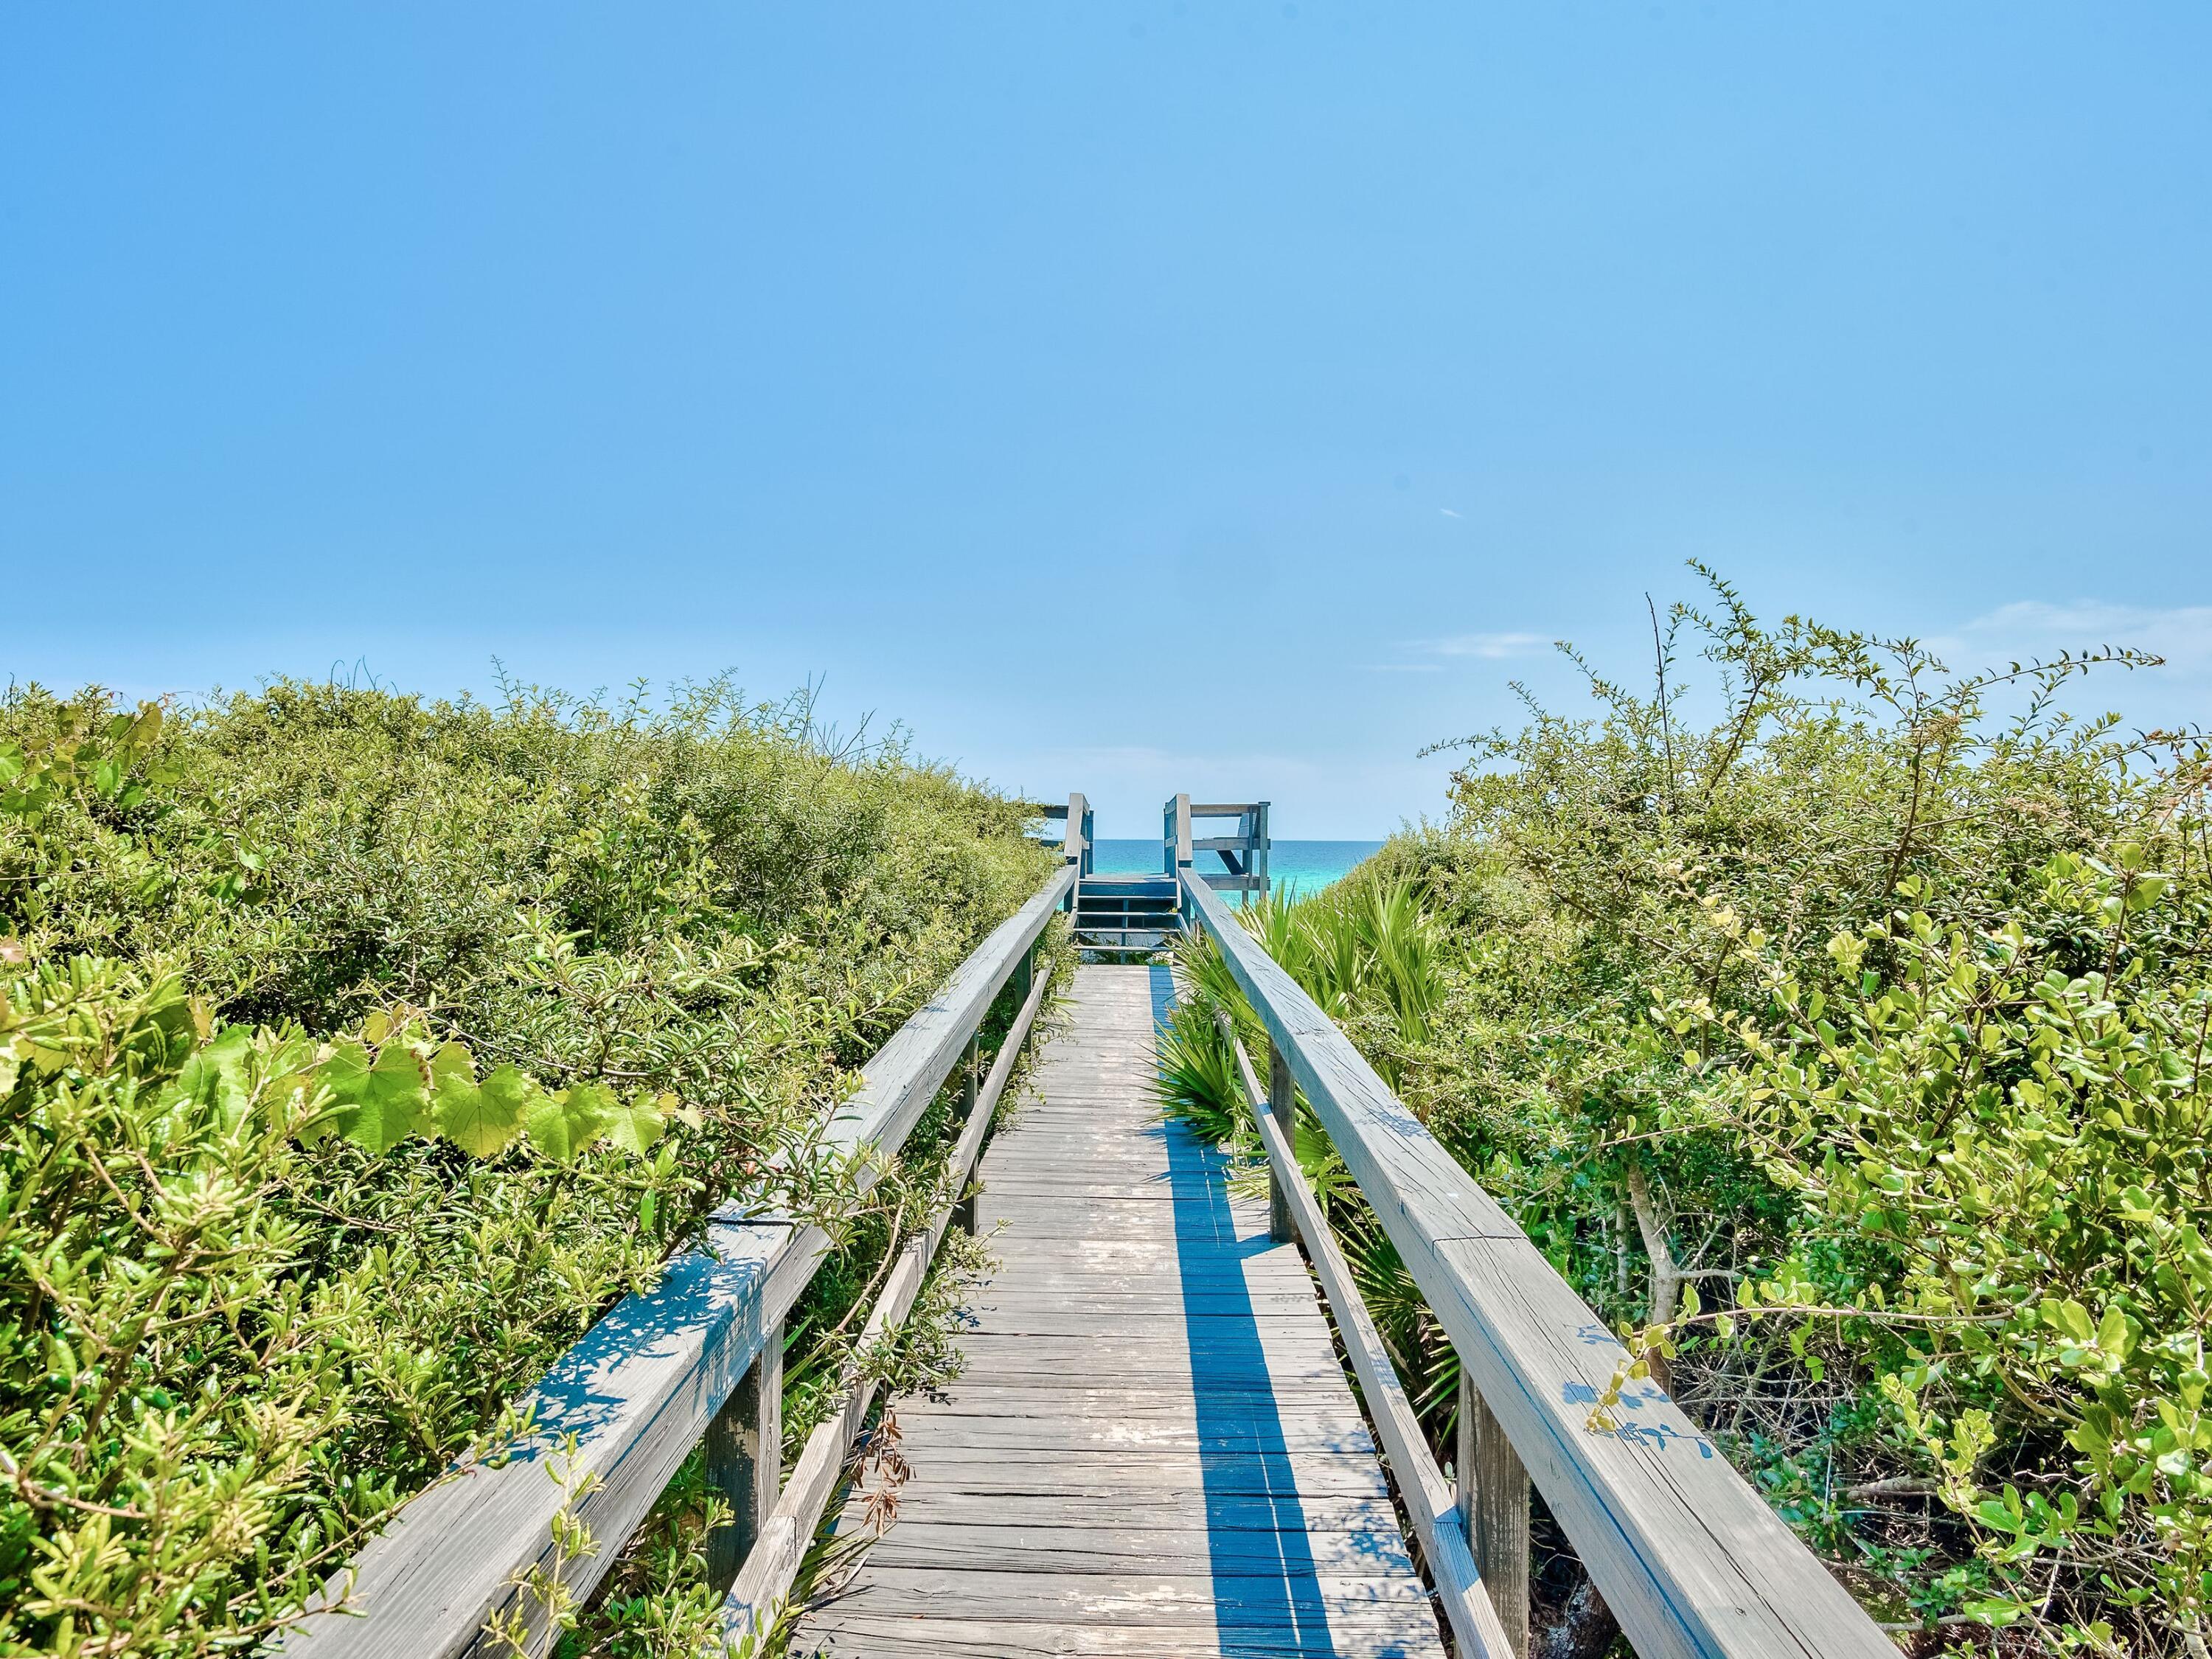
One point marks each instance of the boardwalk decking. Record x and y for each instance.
(1153, 1451)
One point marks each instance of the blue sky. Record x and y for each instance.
(1127, 397)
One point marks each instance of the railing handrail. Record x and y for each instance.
(1438, 1521)
(1690, 1559)
(638, 1390)
(1076, 844)
(1180, 845)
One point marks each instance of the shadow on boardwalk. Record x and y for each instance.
(1153, 1451)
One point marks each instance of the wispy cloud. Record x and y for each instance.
(1488, 645)
(1447, 512)
(2180, 634)
(1430, 656)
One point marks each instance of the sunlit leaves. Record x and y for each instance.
(480, 1118)
(83, 759)
(2024, 1150)
(279, 1334)
(635, 1125)
(380, 1099)
(403, 1087)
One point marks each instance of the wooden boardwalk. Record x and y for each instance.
(1153, 1451)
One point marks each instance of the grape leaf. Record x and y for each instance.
(635, 1125)
(380, 1105)
(480, 1118)
(561, 1124)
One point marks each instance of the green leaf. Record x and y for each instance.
(635, 1126)
(380, 1105)
(561, 1124)
(215, 1076)
(481, 1119)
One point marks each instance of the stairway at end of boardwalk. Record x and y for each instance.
(1153, 1451)
(1127, 915)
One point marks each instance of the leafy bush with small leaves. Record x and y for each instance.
(356, 1051)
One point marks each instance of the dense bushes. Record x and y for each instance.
(355, 1051)
(1856, 1040)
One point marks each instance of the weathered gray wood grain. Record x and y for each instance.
(1140, 1597)
(1152, 1411)
(981, 1545)
(1493, 1509)
(866, 1635)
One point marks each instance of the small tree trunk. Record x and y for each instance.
(1582, 1627)
(1666, 1276)
(1621, 1249)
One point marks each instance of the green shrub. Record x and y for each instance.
(1846, 1050)
(356, 1051)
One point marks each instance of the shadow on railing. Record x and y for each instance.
(1688, 1557)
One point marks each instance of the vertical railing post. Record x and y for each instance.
(964, 1210)
(1179, 831)
(1090, 845)
(1077, 844)
(1494, 1506)
(1282, 1101)
(1256, 859)
(745, 1459)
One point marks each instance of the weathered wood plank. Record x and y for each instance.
(1112, 1548)
(1145, 1598)
(1689, 1557)
(1108, 1470)
(1176, 1436)
(1153, 1432)
(877, 1636)
(1224, 1513)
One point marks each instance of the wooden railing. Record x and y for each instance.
(1243, 853)
(1688, 1557)
(1077, 840)
(492, 1545)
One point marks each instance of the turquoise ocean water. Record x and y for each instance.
(1307, 866)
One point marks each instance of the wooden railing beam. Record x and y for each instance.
(620, 1411)
(1689, 1558)
(1421, 1487)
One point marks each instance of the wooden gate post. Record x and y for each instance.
(1282, 1102)
(744, 1460)
(1493, 1504)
